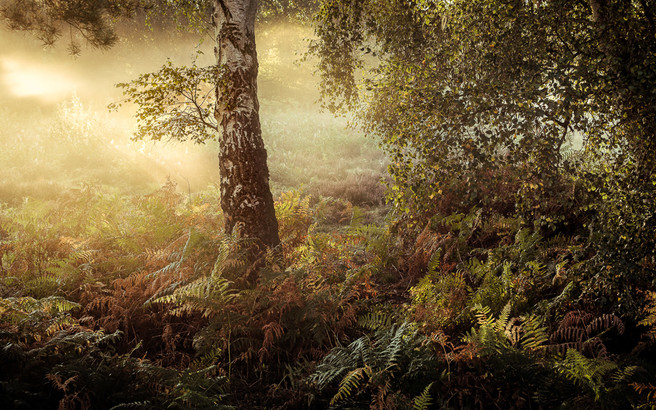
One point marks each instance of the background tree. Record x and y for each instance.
(542, 109)
(463, 86)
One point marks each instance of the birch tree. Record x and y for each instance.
(170, 101)
(245, 194)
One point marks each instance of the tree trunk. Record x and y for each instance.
(245, 194)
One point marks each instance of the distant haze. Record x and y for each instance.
(55, 128)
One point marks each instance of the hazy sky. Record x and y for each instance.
(49, 75)
(46, 76)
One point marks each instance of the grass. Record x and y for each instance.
(307, 149)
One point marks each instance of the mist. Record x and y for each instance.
(57, 135)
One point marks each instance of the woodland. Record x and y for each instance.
(416, 204)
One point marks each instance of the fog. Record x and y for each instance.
(56, 133)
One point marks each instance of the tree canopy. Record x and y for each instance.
(464, 87)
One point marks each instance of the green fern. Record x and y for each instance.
(205, 295)
(434, 262)
(349, 383)
(178, 258)
(375, 321)
(133, 405)
(585, 372)
(209, 294)
(15, 310)
(423, 401)
(208, 359)
(534, 335)
(376, 364)
(503, 334)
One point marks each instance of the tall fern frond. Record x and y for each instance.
(424, 400)
(587, 373)
(502, 321)
(434, 262)
(534, 335)
(349, 383)
(650, 318)
(393, 345)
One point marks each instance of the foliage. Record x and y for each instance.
(396, 357)
(650, 319)
(423, 401)
(507, 119)
(82, 369)
(92, 20)
(498, 334)
(287, 10)
(483, 88)
(155, 272)
(156, 269)
(176, 102)
(622, 238)
(515, 269)
(519, 348)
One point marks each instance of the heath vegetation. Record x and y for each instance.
(475, 226)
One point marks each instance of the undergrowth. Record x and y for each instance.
(109, 301)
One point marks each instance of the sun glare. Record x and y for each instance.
(24, 79)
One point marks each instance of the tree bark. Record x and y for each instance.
(246, 198)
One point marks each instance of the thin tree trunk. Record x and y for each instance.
(245, 194)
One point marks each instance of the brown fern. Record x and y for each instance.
(272, 333)
(70, 401)
(581, 331)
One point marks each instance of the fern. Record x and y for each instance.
(208, 359)
(199, 389)
(294, 219)
(487, 335)
(534, 336)
(375, 321)
(526, 243)
(179, 257)
(38, 318)
(209, 294)
(43, 286)
(582, 331)
(503, 334)
(376, 365)
(650, 318)
(423, 401)
(649, 391)
(434, 262)
(133, 405)
(206, 295)
(349, 383)
(587, 373)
